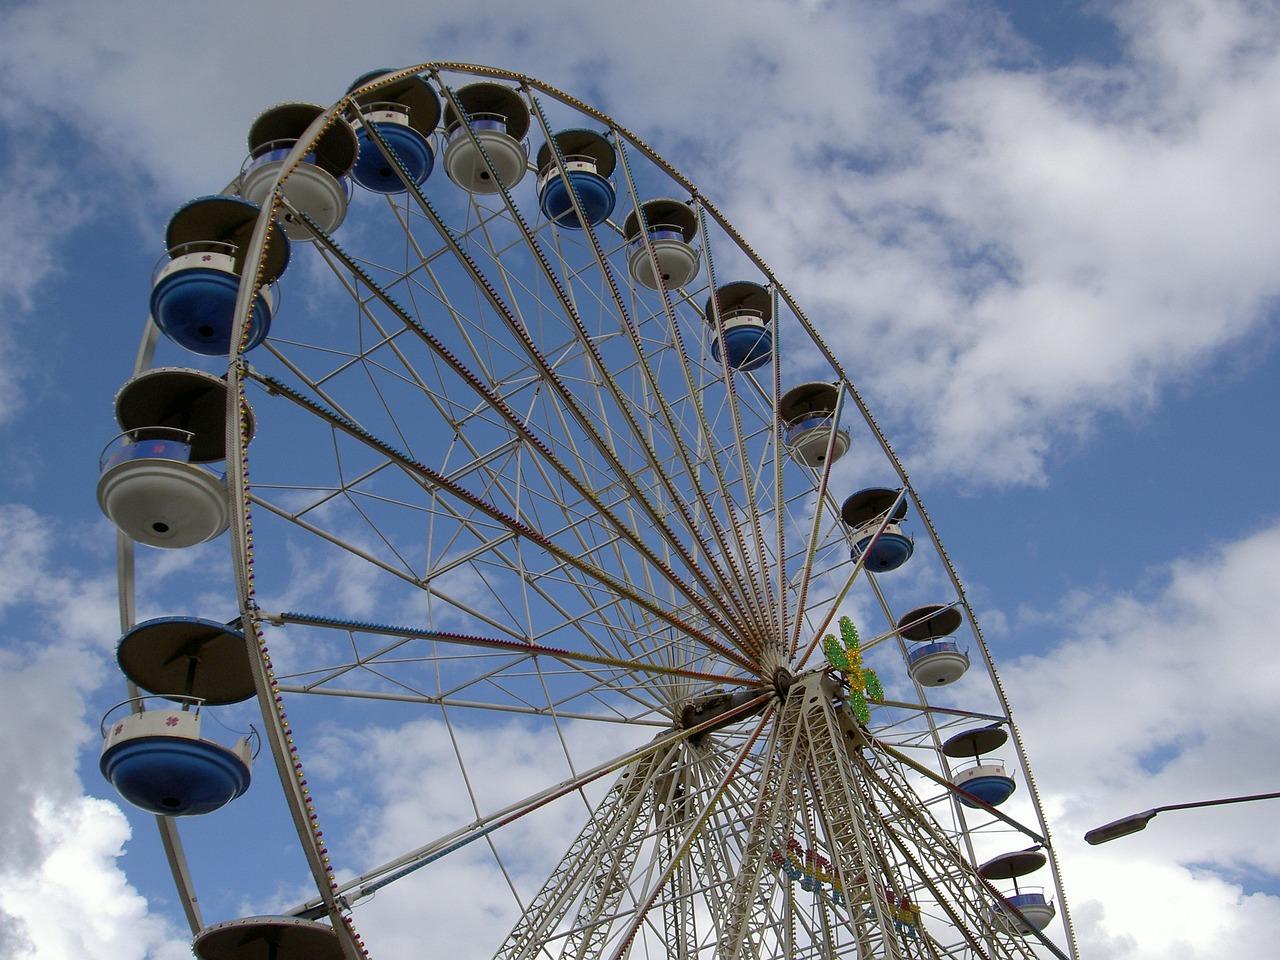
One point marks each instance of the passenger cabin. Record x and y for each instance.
(154, 754)
(937, 660)
(319, 186)
(268, 938)
(1026, 909)
(662, 255)
(498, 120)
(589, 161)
(154, 483)
(863, 513)
(404, 114)
(983, 778)
(810, 430)
(194, 286)
(741, 318)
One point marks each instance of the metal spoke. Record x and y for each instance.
(517, 482)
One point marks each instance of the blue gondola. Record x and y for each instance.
(588, 160)
(404, 113)
(193, 295)
(744, 312)
(983, 778)
(863, 513)
(154, 755)
(157, 760)
(174, 775)
(987, 781)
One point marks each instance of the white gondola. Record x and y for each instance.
(317, 187)
(499, 119)
(153, 483)
(671, 226)
(1022, 913)
(937, 660)
(809, 419)
(150, 490)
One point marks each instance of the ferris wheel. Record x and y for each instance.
(562, 453)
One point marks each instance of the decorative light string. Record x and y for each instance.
(813, 872)
(277, 698)
(862, 681)
(810, 869)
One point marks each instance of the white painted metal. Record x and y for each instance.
(937, 668)
(465, 163)
(988, 768)
(164, 503)
(522, 441)
(313, 191)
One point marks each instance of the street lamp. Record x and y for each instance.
(1138, 821)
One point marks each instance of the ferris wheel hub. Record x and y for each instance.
(609, 448)
(718, 706)
(782, 680)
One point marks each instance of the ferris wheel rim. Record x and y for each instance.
(238, 371)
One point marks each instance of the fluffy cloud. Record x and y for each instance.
(1000, 250)
(1165, 697)
(1043, 245)
(62, 892)
(1147, 698)
(414, 780)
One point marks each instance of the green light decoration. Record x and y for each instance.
(863, 681)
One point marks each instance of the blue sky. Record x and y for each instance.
(1043, 238)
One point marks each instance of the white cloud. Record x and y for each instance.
(1000, 251)
(78, 877)
(1163, 698)
(1050, 244)
(62, 892)
(411, 777)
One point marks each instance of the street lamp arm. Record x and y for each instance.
(1214, 803)
(1138, 821)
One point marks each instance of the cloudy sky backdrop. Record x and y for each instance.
(1044, 236)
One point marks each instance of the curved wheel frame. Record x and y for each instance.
(718, 634)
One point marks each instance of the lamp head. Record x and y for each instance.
(1120, 828)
